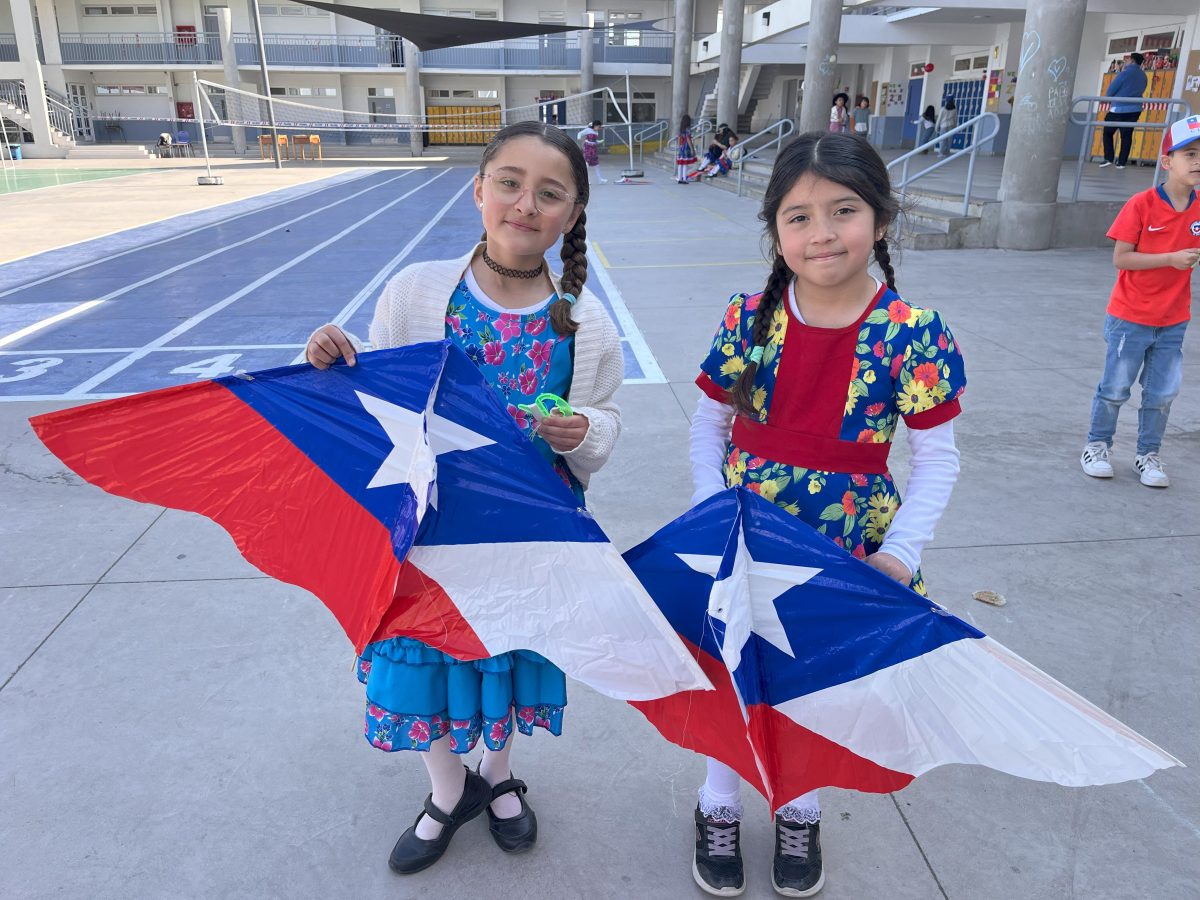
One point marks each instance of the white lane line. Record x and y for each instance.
(45, 323)
(56, 398)
(112, 295)
(651, 373)
(165, 240)
(124, 363)
(383, 274)
(65, 352)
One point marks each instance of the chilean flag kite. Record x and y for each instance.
(403, 495)
(829, 673)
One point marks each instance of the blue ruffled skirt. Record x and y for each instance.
(416, 694)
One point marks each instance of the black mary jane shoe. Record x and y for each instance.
(516, 834)
(412, 854)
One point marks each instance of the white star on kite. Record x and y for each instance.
(418, 438)
(745, 601)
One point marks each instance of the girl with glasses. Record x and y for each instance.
(529, 331)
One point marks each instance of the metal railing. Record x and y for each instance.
(780, 130)
(8, 48)
(1090, 121)
(633, 46)
(140, 47)
(60, 116)
(700, 128)
(555, 52)
(363, 51)
(977, 138)
(13, 93)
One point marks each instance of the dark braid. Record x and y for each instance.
(884, 258)
(574, 274)
(741, 395)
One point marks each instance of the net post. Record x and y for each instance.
(209, 178)
(262, 68)
(631, 172)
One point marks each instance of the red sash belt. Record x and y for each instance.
(810, 451)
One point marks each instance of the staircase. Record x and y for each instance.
(764, 83)
(14, 106)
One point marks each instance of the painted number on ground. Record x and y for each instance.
(209, 368)
(30, 368)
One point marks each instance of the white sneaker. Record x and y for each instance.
(1094, 460)
(1105, 164)
(1150, 468)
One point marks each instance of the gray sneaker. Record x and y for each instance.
(1094, 460)
(1150, 468)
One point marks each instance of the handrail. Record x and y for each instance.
(972, 150)
(61, 116)
(657, 129)
(700, 128)
(1090, 122)
(13, 92)
(783, 126)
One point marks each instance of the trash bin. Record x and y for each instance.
(15, 150)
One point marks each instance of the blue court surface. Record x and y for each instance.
(238, 287)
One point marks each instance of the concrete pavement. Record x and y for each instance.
(172, 723)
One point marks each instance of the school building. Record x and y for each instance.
(81, 77)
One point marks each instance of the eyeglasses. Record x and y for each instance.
(549, 200)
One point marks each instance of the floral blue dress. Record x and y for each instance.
(827, 402)
(417, 694)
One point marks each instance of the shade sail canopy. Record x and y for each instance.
(438, 32)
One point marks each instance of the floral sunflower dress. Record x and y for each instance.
(415, 693)
(827, 401)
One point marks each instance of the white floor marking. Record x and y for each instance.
(165, 240)
(45, 323)
(652, 374)
(383, 274)
(112, 295)
(126, 361)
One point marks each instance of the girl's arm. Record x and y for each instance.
(600, 409)
(711, 426)
(934, 469)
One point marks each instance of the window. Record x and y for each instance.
(979, 62)
(551, 17)
(462, 13)
(291, 10)
(95, 10)
(1122, 45)
(106, 90)
(1163, 40)
(381, 92)
(437, 94)
(488, 95)
(966, 64)
(457, 94)
(313, 11)
(303, 92)
(962, 65)
(643, 107)
(624, 37)
(120, 10)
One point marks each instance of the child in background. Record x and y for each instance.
(861, 116)
(947, 120)
(813, 436)
(1157, 235)
(685, 155)
(591, 140)
(838, 114)
(529, 332)
(926, 125)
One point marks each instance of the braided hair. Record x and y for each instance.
(846, 160)
(574, 244)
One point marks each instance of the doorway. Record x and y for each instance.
(81, 113)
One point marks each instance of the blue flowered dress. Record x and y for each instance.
(417, 694)
(827, 402)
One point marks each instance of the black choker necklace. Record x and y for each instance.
(511, 273)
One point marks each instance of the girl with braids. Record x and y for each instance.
(803, 388)
(529, 331)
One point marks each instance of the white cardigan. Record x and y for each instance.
(412, 309)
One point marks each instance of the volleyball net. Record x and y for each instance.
(230, 107)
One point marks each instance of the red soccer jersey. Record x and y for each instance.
(1155, 297)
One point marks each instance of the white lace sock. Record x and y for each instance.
(447, 775)
(804, 810)
(721, 793)
(495, 768)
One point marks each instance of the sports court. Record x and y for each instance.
(190, 299)
(174, 723)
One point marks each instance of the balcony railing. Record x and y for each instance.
(8, 48)
(628, 46)
(553, 52)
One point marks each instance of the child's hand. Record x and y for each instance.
(1185, 259)
(563, 433)
(327, 345)
(890, 566)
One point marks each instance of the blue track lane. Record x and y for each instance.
(240, 288)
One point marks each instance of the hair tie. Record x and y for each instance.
(756, 355)
(570, 298)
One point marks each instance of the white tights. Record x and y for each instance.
(681, 172)
(447, 776)
(721, 798)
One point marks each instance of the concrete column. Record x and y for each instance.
(1046, 75)
(52, 70)
(416, 97)
(587, 54)
(820, 65)
(729, 78)
(31, 73)
(681, 66)
(232, 79)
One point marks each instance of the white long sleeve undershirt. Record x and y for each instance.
(933, 471)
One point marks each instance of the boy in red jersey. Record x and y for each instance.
(1157, 235)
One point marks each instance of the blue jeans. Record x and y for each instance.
(1158, 354)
